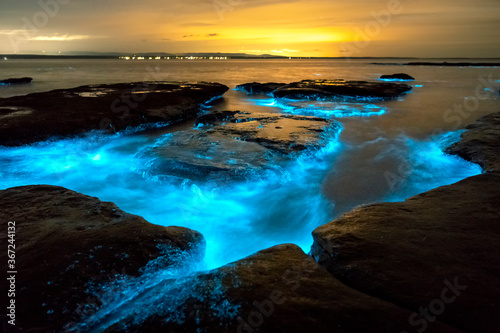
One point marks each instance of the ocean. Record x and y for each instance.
(387, 151)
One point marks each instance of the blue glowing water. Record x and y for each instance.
(387, 151)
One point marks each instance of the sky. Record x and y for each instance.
(298, 28)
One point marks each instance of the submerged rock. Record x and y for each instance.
(68, 112)
(328, 89)
(398, 77)
(260, 88)
(481, 143)
(236, 144)
(22, 80)
(68, 243)
(280, 289)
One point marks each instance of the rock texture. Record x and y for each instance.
(481, 143)
(328, 89)
(435, 253)
(66, 242)
(280, 289)
(398, 77)
(260, 88)
(69, 112)
(22, 80)
(236, 144)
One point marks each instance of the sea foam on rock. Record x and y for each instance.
(110, 107)
(68, 243)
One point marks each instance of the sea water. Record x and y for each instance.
(386, 151)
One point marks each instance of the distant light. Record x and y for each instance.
(4, 58)
(418, 86)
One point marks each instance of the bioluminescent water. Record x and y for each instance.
(385, 151)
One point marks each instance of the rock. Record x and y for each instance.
(481, 143)
(236, 144)
(397, 77)
(114, 107)
(66, 242)
(340, 89)
(22, 80)
(441, 64)
(411, 253)
(260, 88)
(280, 289)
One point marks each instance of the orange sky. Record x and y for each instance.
(421, 28)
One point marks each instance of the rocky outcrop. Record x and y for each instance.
(481, 143)
(236, 144)
(328, 89)
(280, 289)
(66, 242)
(435, 253)
(397, 77)
(260, 88)
(442, 64)
(22, 80)
(114, 107)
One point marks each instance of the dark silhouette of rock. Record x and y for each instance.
(280, 289)
(341, 89)
(236, 144)
(260, 88)
(114, 107)
(398, 77)
(442, 64)
(328, 89)
(22, 80)
(437, 250)
(481, 143)
(67, 242)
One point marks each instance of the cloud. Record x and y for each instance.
(212, 35)
(59, 38)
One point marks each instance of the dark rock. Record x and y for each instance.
(260, 88)
(280, 289)
(114, 107)
(404, 252)
(22, 80)
(441, 64)
(236, 144)
(67, 242)
(398, 77)
(340, 89)
(481, 143)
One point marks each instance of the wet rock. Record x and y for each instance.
(398, 77)
(69, 112)
(481, 143)
(22, 80)
(260, 88)
(328, 89)
(67, 242)
(236, 144)
(437, 250)
(280, 289)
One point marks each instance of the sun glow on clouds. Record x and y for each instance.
(59, 38)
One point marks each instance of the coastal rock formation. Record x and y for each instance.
(398, 77)
(113, 107)
(22, 80)
(481, 143)
(280, 289)
(236, 144)
(260, 88)
(435, 253)
(66, 243)
(328, 89)
(442, 64)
